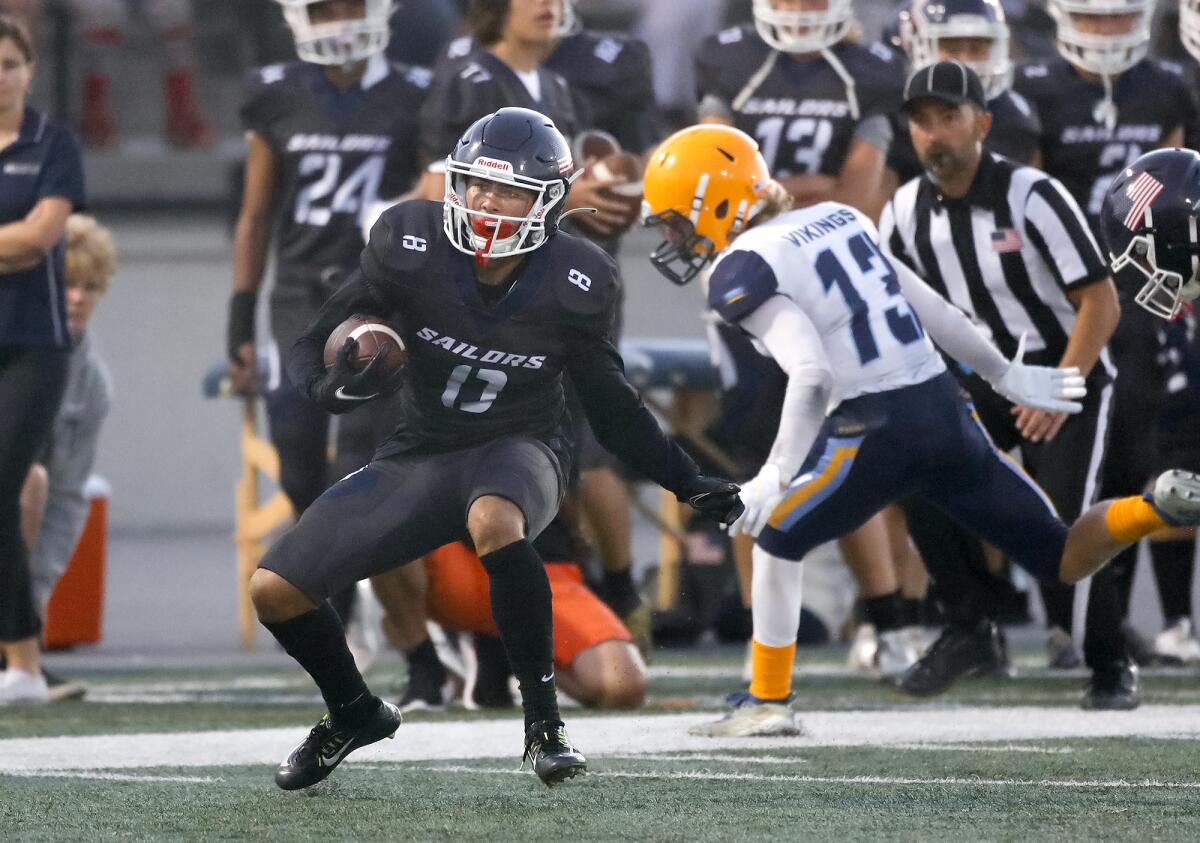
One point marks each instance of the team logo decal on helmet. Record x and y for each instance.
(518, 147)
(924, 26)
(338, 41)
(1150, 220)
(794, 31)
(703, 186)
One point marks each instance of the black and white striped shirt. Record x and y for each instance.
(1006, 253)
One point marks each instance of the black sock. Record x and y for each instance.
(317, 640)
(912, 611)
(424, 659)
(885, 612)
(520, 594)
(1173, 574)
(1059, 601)
(619, 591)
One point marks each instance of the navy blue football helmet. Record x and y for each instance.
(518, 147)
(1152, 231)
(925, 23)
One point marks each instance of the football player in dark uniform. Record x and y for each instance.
(494, 305)
(328, 135)
(1102, 103)
(506, 62)
(1150, 223)
(975, 33)
(817, 103)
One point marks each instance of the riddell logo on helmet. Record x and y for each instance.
(493, 164)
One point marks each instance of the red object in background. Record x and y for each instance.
(76, 609)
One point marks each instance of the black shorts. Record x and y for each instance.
(399, 508)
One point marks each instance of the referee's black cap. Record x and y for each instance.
(948, 81)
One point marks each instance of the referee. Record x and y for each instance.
(1010, 247)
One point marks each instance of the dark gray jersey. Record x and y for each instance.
(468, 86)
(610, 79)
(798, 111)
(479, 372)
(1078, 148)
(613, 84)
(338, 152)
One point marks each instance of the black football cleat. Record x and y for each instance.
(327, 744)
(424, 691)
(554, 758)
(959, 652)
(1113, 687)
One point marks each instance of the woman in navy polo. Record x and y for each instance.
(41, 182)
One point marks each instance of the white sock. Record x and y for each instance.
(775, 597)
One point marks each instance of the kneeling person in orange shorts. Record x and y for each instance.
(595, 659)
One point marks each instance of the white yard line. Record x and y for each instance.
(108, 777)
(705, 775)
(733, 758)
(607, 735)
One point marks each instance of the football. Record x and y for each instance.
(624, 168)
(371, 334)
(592, 145)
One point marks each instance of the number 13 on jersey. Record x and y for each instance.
(873, 268)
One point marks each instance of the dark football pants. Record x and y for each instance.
(32, 381)
(1068, 470)
(922, 440)
(399, 508)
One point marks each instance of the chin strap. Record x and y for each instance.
(566, 214)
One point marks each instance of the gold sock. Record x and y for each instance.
(771, 670)
(1130, 519)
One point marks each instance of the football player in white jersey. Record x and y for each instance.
(870, 415)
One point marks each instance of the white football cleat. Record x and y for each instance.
(1178, 642)
(863, 649)
(917, 638)
(1177, 497)
(895, 653)
(20, 688)
(752, 718)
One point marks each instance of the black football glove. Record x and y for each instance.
(342, 388)
(713, 497)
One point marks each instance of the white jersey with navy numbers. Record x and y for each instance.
(825, 259)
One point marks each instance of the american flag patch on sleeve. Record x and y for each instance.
(1142, 191)
(1007, 240)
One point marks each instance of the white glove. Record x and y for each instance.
(760, 496)
(1041, 387)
